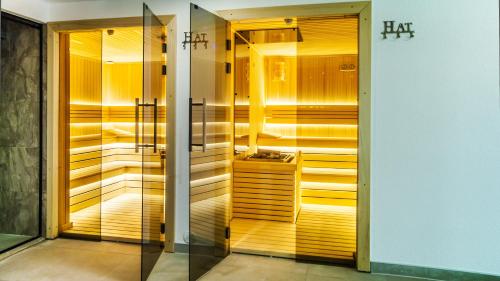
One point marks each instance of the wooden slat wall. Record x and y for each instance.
(321, 115)
(321, 81)
(85, 137)
(311, 106)
(122, 83)
(281, 79)
(104, 170)
(241, 97)
(311, 80)
(211, 175)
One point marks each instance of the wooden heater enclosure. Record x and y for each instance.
(296, 91)
(106, 179)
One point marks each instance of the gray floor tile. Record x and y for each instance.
(65, 259)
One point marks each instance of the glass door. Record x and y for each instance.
(153, 109)
(210, 143)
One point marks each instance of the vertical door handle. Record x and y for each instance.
(155, 136)
(204, 146)
(136, 125)
(190, 137)
(204, 124)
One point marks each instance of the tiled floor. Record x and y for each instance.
(64, 259)
(256, 268)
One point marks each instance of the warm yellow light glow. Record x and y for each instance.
(209, 180)
(241, 147)
(275, 102)
(328, 186)
(77, 102)
(311, 149)
(85, 124)
(241, 125)
(211, 146)
(329, 171)
(280, 125)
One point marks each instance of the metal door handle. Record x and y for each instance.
(136, 125)
(155, 120)
(155, 132)
(203, 104)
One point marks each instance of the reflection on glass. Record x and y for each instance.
(210, 177)
(154, 146)
(81, 53)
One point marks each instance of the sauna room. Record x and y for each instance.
(113, 186)
(296, 138)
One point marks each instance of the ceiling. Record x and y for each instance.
(321, 36)
(124, 45)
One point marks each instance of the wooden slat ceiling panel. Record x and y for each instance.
(125, 45)
(321, 36)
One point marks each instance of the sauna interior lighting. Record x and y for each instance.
(210, 180)
(210, 165)
(241, 147)
(327, 185)
(282, 125)
(330, 171)
(348, 151)
(288, 102)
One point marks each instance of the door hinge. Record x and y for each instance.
(228, 67)
(228, 233)
(164, 48)
(228, 45)
(162, 228)
(164, 70)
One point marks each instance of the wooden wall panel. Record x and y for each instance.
(122, 83)
(85, 80)
(242, 84)
(281, 80)
(311, 80)
(311, 102)
(85, 118)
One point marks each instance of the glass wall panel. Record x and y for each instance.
(326, 105)
(153, 146)
(81, 70)
(20, 131)
(211, 146)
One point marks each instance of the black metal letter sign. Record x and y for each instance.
(390, 28)
(200, 38)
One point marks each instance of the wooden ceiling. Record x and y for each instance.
(321, 36)
(125, 45)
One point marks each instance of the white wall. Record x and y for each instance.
(436, 126)
(37, 10)
(436, 136)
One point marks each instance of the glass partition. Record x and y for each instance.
(210, 143)
(20, 131)
(153, 146)
(81, 87)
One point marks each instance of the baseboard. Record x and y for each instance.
(181, 248)
(429, 273)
